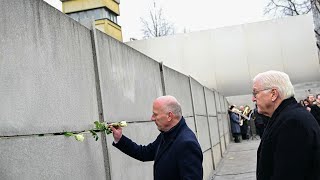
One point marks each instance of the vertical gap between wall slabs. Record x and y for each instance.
(103, 138)
(193, 109)
(162, 79)
(224, 133)
(205, 103)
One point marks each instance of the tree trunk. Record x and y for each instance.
(315, 4)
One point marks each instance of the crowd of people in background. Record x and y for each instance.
(241, 117)
(312, 104)
(241, 120)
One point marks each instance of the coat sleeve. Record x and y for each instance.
(139, 152)
(234, 118)
(293, 152)
(190, 161)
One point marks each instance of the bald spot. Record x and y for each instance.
(167, 103)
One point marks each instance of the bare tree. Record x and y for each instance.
(297, 7)
(288, 7)
(156, 25)
(315, 5)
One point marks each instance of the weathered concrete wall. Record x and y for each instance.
(47, 85)
(46, 72)
(177, 85)
(51, 157)
(201, 114)
(57, 76)
(130, 82)
(202, 125)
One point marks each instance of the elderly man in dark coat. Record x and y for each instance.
(176, 152)
(290, 147)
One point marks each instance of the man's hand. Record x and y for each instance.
(117, 133)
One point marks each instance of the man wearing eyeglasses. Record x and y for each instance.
(290, 148)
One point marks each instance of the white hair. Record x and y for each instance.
(278, 80)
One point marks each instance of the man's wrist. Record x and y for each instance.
(117, 140)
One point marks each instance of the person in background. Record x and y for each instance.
(235, 121)
(290, 147)
(315, 109)
(301, 102)
(260, 122)
(176, 151)
(307, 104)
(311, 99)
(244, 126)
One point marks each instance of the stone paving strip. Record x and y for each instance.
(239, 162)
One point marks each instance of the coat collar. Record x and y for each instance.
(283, 105)
(168, 137)
(174, 130)
(271, 122)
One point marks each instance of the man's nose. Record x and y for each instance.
(254, 99)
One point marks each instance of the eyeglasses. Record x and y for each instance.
(254, 93)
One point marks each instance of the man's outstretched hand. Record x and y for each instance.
(117, 133)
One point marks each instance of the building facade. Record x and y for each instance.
(103, 12)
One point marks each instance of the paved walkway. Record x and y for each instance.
(239, 162)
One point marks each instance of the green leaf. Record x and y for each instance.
(99, 126)
(68, 134)
(108, 131)
(93, 133)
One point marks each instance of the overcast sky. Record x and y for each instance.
(192, 15)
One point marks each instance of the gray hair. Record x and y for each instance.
(278, 80)
(171, 104)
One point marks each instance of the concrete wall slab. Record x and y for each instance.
(216, 154)
(191, 124)
(223, 105)
(141, 133)
(210, 101)
(217, 99)
(51, 157)
(178, 85)
(198, 98)
(214, 132)
(223, 144)
(225, 122)
(203, 132)
(47, 81)
(207, 165)
(227, 136)
(220, 125)
(130, 81)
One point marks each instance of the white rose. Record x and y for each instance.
(123, 124)
(79, 137)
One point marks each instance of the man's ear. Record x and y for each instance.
(170, 114)
(274, 95)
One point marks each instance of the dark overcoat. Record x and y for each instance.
(176, 153)
(315, 111)
(290, 147)
(235, 121)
